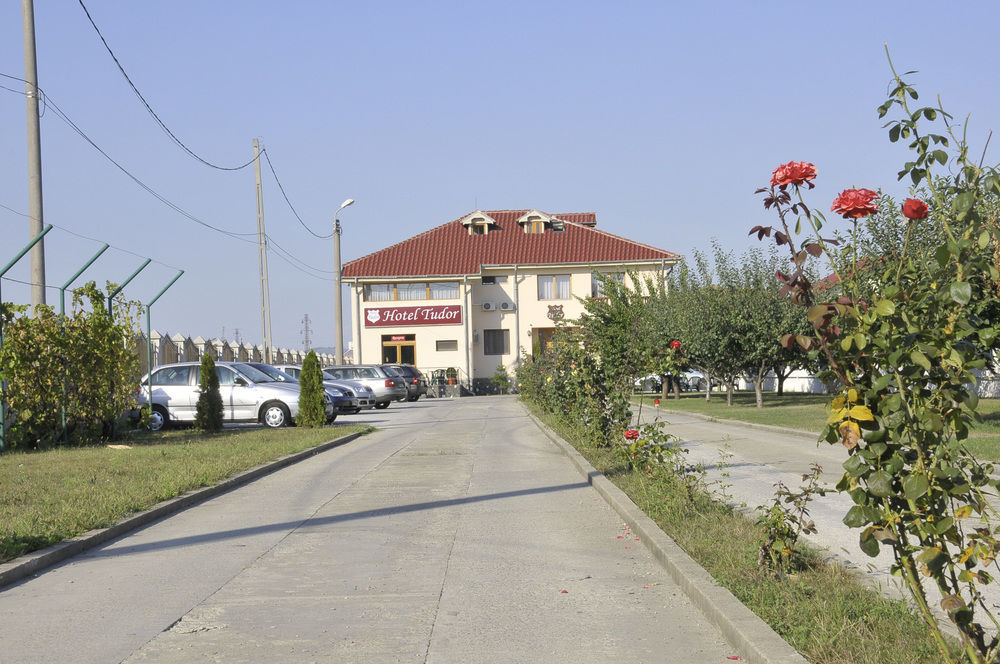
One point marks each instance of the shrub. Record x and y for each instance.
(208, 413)
(311, 404)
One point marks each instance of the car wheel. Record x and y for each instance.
(355, 411)
(275, 415)
(413, 398)
(382, 404)
(331, 419)
(158, 419)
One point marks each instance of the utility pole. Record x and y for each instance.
(306, 333)
(265, 291)
(34, 156)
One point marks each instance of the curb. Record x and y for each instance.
(754, 638)
(741, 423)
(38, 561)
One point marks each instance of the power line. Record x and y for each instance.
(149, 108)
(290, 206)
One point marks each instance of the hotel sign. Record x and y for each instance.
(443, 314)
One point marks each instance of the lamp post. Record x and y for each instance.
(338, 302)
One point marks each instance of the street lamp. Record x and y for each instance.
(338, 303)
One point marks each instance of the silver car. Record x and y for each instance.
(248, 395)
(386, 388)
(352, 388)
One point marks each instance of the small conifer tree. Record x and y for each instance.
(208, 413)
(311, 403)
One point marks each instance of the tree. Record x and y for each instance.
(208, 411)
(312, 411)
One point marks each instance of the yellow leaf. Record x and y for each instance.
(852, 395)
(963, 512)
(838, 403)
(837, 416)
(861, 413)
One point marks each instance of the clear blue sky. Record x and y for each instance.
(661, 117)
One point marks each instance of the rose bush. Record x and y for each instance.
(903, 335)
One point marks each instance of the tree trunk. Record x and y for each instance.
(781, 383)
(758, 388)
(663, 387)
(676, 380)
(729, 393)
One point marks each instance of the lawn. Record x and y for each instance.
(808, 412)
(52, 495)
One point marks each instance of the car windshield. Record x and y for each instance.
(391, 371)
(275, 373)
(255, 375)
(328, 376)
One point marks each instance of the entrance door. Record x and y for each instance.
(399, 349)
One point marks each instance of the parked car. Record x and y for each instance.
(387, 388)
(342, 402)
(363, 395)
(416, 384)
(248, 395)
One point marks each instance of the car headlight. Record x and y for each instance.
(333, 392)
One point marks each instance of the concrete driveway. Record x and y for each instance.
(456, 533)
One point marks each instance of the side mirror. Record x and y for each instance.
(240, 381)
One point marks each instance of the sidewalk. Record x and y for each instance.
(456, 533)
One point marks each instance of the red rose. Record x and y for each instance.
(676, 345)
(855, 203)
(794, 172)
(914, 208)
(631, 434)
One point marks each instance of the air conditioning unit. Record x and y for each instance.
(506, 306)
(489, 306)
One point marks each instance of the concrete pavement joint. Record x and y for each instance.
(38, 561)
(754, 638)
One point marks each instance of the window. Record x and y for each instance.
(535, 226)
(379, 292)
(553, 287)
(597, 288)
(446, 344)
(443, 290)
(478, 229)
(226, 376)
(411, 291)
(172, 376)
(496, 342)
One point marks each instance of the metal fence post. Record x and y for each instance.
(149, 341)
(3, 380)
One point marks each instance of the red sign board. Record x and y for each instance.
(442, 314)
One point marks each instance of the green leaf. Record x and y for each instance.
(942, 255)
(879, 484)
(881, 382)
(921, 359)
(855, 517)
(984, 239)
(964, 202)
(961, 292)
(860, 340)
(915, 486)
(885, 307)
(894, 133)
(869, 545)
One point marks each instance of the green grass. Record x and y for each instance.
(824, 611)
(49, 496)
(807, 412)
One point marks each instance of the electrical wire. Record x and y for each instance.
(149, 108)
(282, 250)
(290, 206)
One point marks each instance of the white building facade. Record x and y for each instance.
(480, 292)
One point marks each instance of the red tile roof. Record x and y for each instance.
(449, 249)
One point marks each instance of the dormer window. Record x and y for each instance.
(479, 223)
(534, 222)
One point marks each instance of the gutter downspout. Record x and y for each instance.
(468, 340)
(517, 328)
(356, 303)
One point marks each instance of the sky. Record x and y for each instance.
(663, 118)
